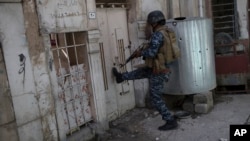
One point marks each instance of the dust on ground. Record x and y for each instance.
(140, 124)
(129, 127)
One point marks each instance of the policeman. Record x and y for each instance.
(156, 57)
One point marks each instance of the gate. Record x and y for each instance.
(73, 78)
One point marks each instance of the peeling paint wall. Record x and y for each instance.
(27, 70)
(74, 16)
(20, 72)
(37, 53)
(24, 35)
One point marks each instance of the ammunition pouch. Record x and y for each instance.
(157, 64)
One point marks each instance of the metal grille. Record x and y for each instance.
(121, 54)
(122, 59)
(112, 4)
(71, 64)
(225, 17)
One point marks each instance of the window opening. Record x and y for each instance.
(112, 4)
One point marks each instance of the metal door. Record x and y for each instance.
(73, 78)
(114, 46)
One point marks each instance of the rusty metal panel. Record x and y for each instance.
(62, 15)
(231, 79)
(194, 72)
(230, 64)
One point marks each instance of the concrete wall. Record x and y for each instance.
(7, 115)
(28, 72)
(26, 49)
(64, 16)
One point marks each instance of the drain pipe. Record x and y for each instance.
(201, 8)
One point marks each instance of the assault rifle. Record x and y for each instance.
(133, 55)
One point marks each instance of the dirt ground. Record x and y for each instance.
(129, 127)
(140, 124)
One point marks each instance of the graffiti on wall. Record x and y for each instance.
(68, 8)
(50, 63)
(62, 15)
(22, 60)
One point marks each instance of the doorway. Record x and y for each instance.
(114, 47)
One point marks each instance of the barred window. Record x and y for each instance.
(225, 17)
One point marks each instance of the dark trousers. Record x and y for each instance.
(156, 82)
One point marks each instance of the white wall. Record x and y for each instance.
(146, 6)
(7, 117)
(65, 16)
(22, 85)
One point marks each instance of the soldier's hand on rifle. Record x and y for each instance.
(137, 54)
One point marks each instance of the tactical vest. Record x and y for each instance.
(166, 54)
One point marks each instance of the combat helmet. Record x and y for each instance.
(155, 17)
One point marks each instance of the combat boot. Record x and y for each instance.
(169, 125)
(118, 76)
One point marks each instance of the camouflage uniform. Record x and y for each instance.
(156, 80)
